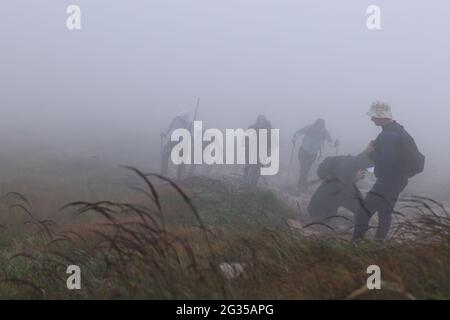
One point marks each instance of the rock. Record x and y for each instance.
(232, 270)
(295, 224)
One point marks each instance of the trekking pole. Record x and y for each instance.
(191, 127)
(290, 162)
(196, 108)
(196, 112)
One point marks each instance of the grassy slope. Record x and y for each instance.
(142, 252)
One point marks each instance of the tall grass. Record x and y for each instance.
(145, 250)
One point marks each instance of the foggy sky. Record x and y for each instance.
(115, 84)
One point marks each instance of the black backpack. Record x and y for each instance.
(411, 160)
(327, 168)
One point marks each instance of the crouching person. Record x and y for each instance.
(338, 188)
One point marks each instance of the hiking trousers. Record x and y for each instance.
(381, 199)
(252, 172)
(165, 158)
(306, 161)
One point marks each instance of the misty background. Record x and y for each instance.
(107, 90)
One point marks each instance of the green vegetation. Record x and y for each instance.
(170, 243)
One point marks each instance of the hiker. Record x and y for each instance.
(396, 158)
(181, 121)
(315, 136)
(339, 175)
(205, 169)
(252, 172)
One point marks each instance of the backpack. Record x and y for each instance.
(327, 168)
(411, 160)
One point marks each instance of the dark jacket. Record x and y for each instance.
(340, 191)
(386, 155)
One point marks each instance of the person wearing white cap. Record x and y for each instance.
(386, 153)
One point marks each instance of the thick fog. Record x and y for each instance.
(108, 89)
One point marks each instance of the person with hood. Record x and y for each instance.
(252, 172)
(181, 121)
(339, 175)
(314, 137)
(396, 158)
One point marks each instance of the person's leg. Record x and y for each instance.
(208, 170)
(310, 161)
(384, 224)
(247, 166)
(180, 171)
(306, 162)
(246, 169)
(192, 169)
(391, 192)
(253, 174)
(180, 168)
(366, 210)
(351, 201)
(302, 177)
(165, 159)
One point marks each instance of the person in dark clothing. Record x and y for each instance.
(314, 137)
(339, 189)
(384, 152)
(206, 169)
(252, 172)
(180, 121)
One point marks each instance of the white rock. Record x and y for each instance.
(295, 224)
(232, 270)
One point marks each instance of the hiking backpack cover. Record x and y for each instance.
(412, 161)
(327, 168)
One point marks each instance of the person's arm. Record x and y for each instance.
(364, 162)
(384, 155)
(299, 132)
(170, 127)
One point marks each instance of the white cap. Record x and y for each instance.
(380, 109)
